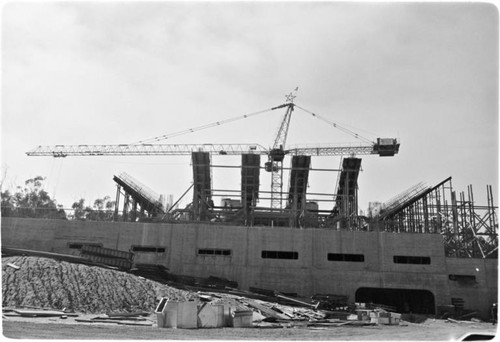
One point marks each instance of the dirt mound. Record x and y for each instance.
(48, 283)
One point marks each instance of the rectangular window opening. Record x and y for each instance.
(280, 255)
(148, 249)
(79, 245)
(346, 257)
(416, 260)
(462, 278)
(214, 251)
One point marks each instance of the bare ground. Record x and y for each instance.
(48, 283)
(51, 328)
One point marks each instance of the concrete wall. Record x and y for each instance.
(311, 273)
(483, 291)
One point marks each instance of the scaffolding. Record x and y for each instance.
(469, 230)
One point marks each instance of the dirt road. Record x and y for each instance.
(430, 330)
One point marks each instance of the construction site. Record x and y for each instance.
(429, 250)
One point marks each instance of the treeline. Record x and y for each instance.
(31, 200)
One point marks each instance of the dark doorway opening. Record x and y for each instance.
(405, 301)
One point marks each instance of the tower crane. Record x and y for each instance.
(276, 153)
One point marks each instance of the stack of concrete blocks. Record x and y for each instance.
(363, 314)
(389, 318)
(374, 317)
(192, 315)
(379, 317)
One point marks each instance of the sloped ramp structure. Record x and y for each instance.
(346, 202)
(140, 195)
(202, 189)
(250, 182)
(298, 187)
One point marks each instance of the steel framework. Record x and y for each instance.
(469, 230)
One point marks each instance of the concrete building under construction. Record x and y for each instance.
(427, 250)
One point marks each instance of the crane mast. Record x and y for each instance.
(274, 164)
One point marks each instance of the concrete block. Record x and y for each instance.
(242, 319)
(363, 315)
(394, 321)
(384, 320)
(178, 315)
(171, 312)
(187, 315)
(160, 312)
(228, 319)
(210, 316)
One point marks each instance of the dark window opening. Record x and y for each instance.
(418, 260)
(79, 245)
(148, 249)
(402, 300)
(462, 278)
(346, 257)
(214, 251)
(280, 255)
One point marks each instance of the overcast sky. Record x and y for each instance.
(120, 72)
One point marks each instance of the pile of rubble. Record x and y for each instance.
(36, 282)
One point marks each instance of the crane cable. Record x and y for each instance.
(343, 129)
(199, 128)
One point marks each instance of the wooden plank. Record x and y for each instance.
(457, 321)
(39, 313)
(297, 301)
(266, 311)
(127, 314)
(94, 321)
(136, 324)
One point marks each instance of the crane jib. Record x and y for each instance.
(383, 147)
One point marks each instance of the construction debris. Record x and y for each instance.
(39, 313)
(13, 266)
(451, 320)
(331, 301)
(111, 257)
(130, 299)
(229, 310)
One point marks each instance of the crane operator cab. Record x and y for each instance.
(386, 147)
(275, 155)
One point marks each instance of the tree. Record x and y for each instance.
(8, 207)
(102, 210)
(31, 201)
(80, 211)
